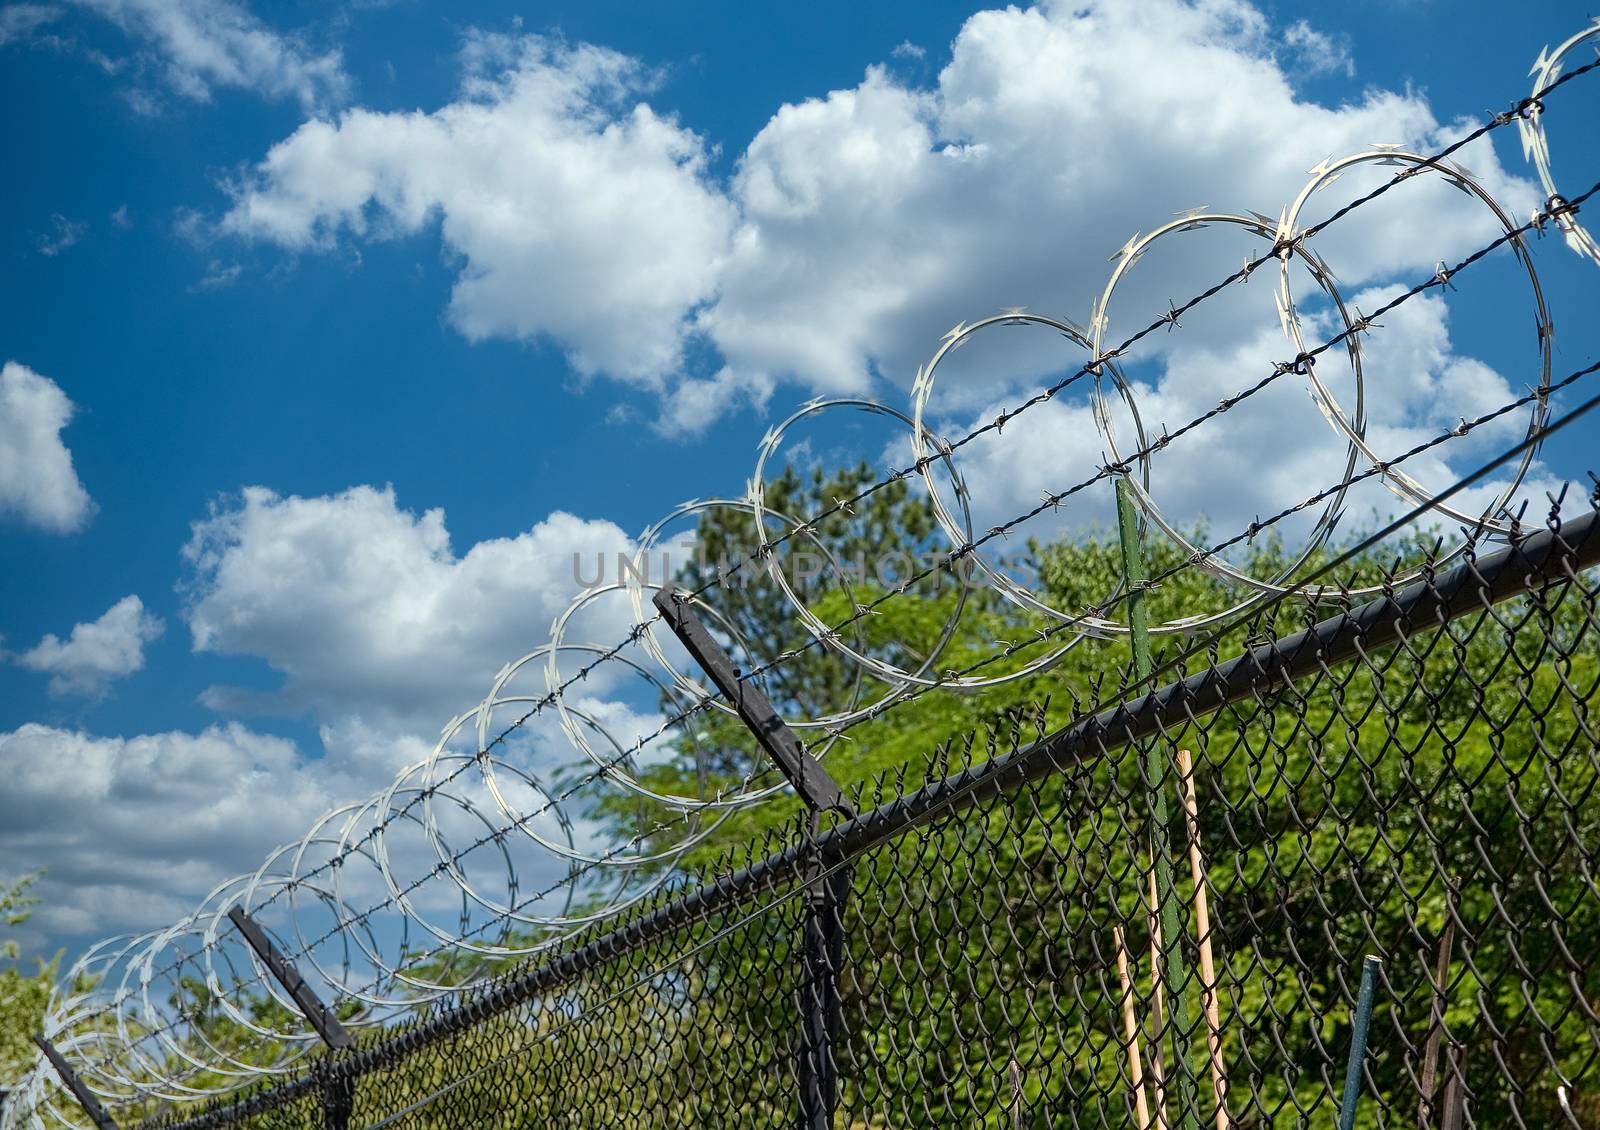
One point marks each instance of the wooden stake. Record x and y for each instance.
(1158, 1009)
(1130, 1031)
(1202, 925)
(1430, 1057)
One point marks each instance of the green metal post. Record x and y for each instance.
(1160, 777)
(1358, 1042)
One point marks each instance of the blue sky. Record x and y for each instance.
(302, 249)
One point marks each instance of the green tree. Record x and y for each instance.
(1449, 777)
(23, 993)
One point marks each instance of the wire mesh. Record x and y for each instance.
(993, 948)
(1412, 777)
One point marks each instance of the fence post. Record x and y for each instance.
(338, 1092)
(822, 938)
(1160, 774)
(821, 1017)
(788, 753)
(1358, 1042)
(338, 1102)
(69, 1078)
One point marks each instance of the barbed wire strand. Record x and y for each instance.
(1519, 110)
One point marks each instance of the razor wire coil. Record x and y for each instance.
(120, 1067)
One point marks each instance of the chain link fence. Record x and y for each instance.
(1016, 942)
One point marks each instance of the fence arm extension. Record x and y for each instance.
(1544, 558)
(339, 1093)
(69, 1078)
(820, 792)
(822, 945)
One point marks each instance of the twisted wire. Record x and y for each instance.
(76, 1009)
(1052, 500)
(817, 877)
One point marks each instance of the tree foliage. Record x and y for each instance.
(23, 992)
(1449, 778)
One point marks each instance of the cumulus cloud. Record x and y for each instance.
(365, 608)
(1316, 51)
(578, 212)
(860, 224)
(693, 403)
(877, 217)
(131, 829)
(96, 653)
(37, 481)
(381, 633)
(198, 46)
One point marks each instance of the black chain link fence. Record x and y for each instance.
(1412, 777)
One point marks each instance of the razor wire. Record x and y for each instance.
(545, 1084)
(1092, 622)
(596, 1011)
(1536, 144)
(79, 1018)
(1300, 588)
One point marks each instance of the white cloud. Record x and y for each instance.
(578, 212)
(200, 45)
(218, 276)
(693, 403)
(98, 652)
(366, 610)
(37, 480)
(19, 21)
(132, 829)
(876, 218)
(863, 223)
(63, 234)
(1268, 452)
(381, 634)
(1317, 52)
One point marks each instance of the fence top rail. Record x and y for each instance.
(1540, 559)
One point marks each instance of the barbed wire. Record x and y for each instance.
(1278, 372)
(817, 876)
(81, 1012)
(1052, 500)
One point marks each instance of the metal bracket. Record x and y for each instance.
(338, 1102)
(805, 773)
(91, 1105)
(821, 1007)
(306, 1000)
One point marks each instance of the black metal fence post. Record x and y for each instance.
(338, 1101)
(822, 937)
(69, 1078)
(339, 1091)
(822, 960)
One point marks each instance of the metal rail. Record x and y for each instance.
(1543, 558)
